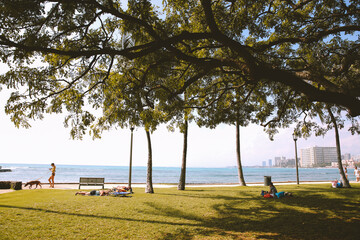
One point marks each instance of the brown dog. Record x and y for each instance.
(31, 183)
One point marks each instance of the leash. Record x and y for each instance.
(39, 178)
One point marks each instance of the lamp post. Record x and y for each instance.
(296, 159)
(130, 165)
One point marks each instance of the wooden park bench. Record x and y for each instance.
(90, 181)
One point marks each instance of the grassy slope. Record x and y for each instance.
(315, 212)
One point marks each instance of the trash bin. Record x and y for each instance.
(267, 180)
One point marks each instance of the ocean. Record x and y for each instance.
(119, 174)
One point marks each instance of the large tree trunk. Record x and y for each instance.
(182, 180)
(338, 151)
(149, 185)
(240, 172)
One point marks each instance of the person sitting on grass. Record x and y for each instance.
(273, 189)
(274, 193)
(337, 184)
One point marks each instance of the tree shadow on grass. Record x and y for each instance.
(202, 196)
(307, 216)
(89, 215)
(304, 218)
(340, 192)
(228, 194)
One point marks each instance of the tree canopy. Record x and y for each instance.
(71, 54)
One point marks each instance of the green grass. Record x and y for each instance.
(315, 212)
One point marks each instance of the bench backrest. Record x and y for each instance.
(91, 180)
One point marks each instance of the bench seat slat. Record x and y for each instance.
(88, 181)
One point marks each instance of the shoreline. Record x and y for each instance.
(168, 176)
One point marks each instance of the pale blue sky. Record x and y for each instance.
(48, 141)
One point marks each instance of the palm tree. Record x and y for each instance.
(338, 149)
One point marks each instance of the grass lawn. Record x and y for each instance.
(315, 212)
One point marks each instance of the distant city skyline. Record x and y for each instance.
(315, 157)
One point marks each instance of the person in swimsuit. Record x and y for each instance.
(273, 193)
(346, 173)
(51, 178)
(95, 193)
(273, 189)
(357, 174)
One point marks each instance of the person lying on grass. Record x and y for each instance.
(274, 193)
(95, 193)
(119, 190)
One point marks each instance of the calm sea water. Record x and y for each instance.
(118, 174)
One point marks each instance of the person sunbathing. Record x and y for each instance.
(95, 193)
(120, 190)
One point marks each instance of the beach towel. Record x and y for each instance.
(268, 195)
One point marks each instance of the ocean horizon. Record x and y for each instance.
(171, 175)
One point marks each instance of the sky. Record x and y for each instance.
(49, 141)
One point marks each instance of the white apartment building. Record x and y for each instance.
(317, 156)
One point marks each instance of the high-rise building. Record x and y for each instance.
(279, 161)
(270, 163)
(264, 163)
(317, 156)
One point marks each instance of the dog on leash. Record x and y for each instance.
(31, 183)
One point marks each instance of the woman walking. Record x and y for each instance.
(51, 178)
(356, 173)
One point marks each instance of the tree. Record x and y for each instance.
(184, 128)
(307, 48)
(181, 115)
(182, 180)
(127, 103)
(338, 148)
(331, 118)
(230, 104)
(263, 42)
